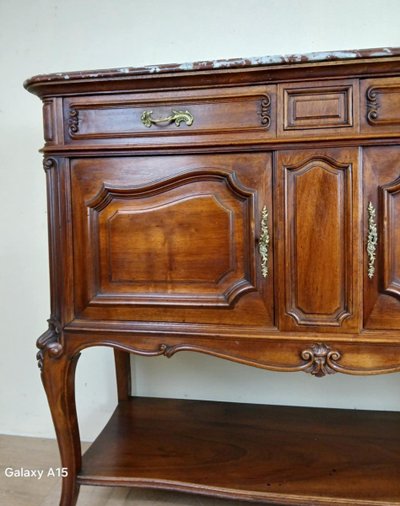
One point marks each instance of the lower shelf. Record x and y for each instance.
(274, 454)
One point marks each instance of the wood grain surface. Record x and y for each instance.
(284, 455)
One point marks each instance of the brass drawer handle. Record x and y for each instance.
(263, 244)
(372, 240)
(176, 116)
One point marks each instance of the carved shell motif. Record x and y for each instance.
(321, 359)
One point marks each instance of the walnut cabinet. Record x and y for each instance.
(246, 209)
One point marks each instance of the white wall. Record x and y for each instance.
(53, 35)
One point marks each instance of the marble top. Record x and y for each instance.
(235, 63)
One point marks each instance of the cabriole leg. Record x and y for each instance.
(58, 377)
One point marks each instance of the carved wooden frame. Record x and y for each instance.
(387, 193)
(292, 308)
(231, 293)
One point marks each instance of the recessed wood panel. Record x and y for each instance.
(382, 190)
(48, 120)
(314, 257)
(317, 211)
(320, 108)
(159, 244)
(177, 232)
(317, 108)
(166, 244)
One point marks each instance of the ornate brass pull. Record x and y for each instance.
(177, 117)
(263, 243)
(372, 240)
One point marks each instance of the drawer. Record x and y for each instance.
(380, 102)
(203, 116)
(320, 108)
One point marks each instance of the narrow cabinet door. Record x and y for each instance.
(317, 234)
(382, 237)
(173, 238)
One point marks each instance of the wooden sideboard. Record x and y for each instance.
(246, 209)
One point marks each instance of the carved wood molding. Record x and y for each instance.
(168, 350)
(49, 163)
(372, 105)
(73, 121)
(108, 192)
(49, 342)
(319, 359)
(266, 111)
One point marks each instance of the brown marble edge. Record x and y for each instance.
(235, 63)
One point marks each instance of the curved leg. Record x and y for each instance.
(58, 377)
(123, 373)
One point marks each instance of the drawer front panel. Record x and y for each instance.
(380, 99)
(317, 108)
(171, 117)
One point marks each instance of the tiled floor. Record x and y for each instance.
(42, 454)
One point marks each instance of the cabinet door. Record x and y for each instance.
(382, 238)
(317, 234)
(172, 238)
